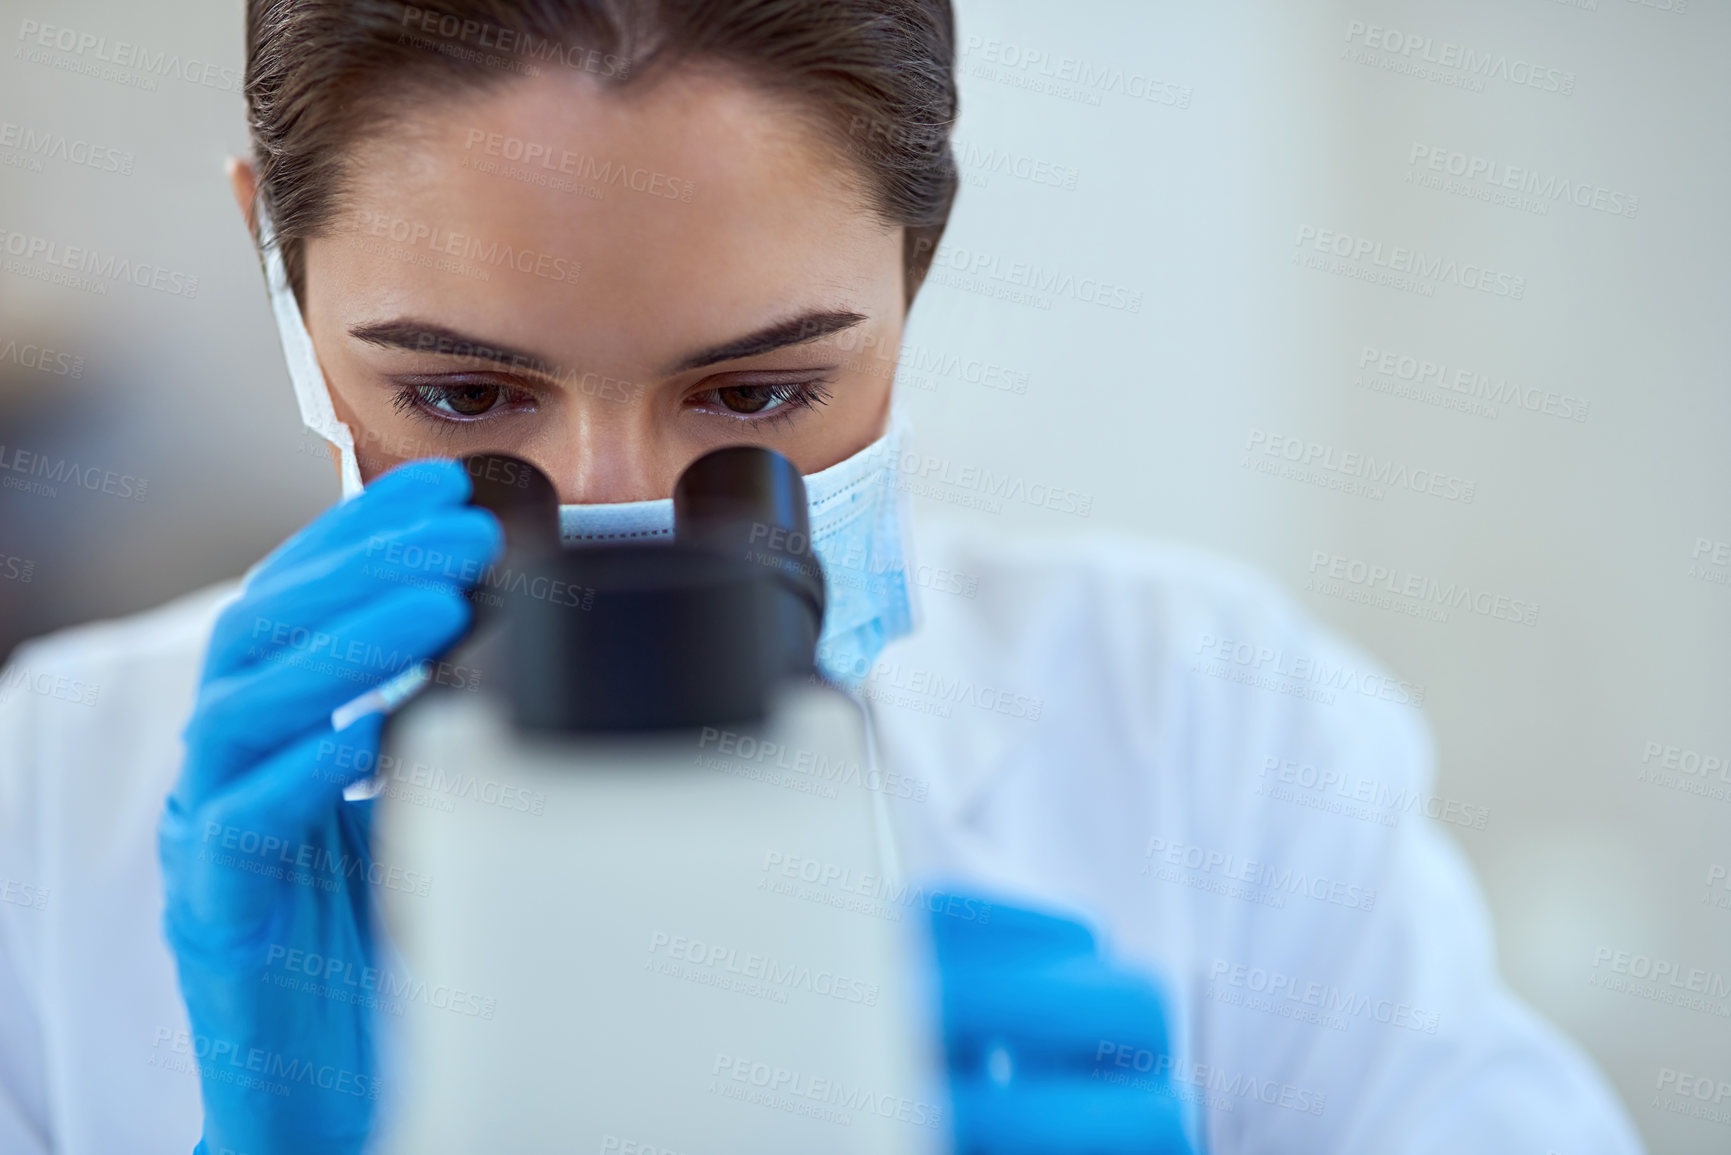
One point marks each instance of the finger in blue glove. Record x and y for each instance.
(1033, 1020)
(262, 858)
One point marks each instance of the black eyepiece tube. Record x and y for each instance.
(748, 502)
(520, 496)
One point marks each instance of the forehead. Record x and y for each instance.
(695, 199)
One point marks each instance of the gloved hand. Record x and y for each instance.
(1051, 1050)
(261, 855)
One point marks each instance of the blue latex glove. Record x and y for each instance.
(261, 855)
(1050, 1048)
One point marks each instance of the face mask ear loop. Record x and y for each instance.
(311, 389)
(899, 435)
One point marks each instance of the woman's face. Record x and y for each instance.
(607, 283)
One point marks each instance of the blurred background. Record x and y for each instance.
(1209, 262)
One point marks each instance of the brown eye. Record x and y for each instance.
(744, 398)
(451, 403)
(472, 400)
(762, 402)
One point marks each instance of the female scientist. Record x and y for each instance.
(609, 236)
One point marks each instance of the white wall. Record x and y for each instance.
(1541, 728)
(1261, 124)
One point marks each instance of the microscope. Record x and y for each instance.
(605, 949)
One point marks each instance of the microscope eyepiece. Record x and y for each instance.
(656, 635)
(519, 495)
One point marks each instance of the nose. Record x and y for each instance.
(609, 454)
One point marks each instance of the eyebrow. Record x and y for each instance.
(793, 331)
(422, 337)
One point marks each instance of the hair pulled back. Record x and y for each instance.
(877, 77)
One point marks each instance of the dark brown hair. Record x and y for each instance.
(877, 77)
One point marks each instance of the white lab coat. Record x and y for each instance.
(1128, 731)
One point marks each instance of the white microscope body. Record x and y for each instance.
(604, 952)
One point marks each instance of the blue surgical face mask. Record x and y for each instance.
(859, 530)
(858, 512)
